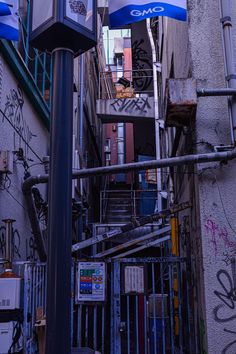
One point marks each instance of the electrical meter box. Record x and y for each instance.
(6, 335)
(10, 291)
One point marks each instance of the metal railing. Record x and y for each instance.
(138, 202)
(125, 84)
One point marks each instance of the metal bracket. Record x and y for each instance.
(221, 148)
(161, 123)
(231, 77)
(226, 21)
(158, 66)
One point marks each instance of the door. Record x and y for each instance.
(147, 316)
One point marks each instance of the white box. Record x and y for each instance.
(6, 334)
(10, 293)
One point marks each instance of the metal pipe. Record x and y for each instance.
(139, 166)
(34, 222)
(156, 113)
(226, 11)
(216, 92)
(9, 242)
(81, 106)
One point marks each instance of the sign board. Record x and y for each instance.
(91, 281)
(134, 280)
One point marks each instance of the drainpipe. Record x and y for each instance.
(156, 113)
(229, 59)
(81, 114)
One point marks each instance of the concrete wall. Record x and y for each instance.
(20, 119)
(212, 188)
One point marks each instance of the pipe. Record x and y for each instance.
(33, 217)
(216, 92)
(9, 242)
(81, 115)
(156, 113)
(229, 58)
(138, 166)
(169, 162)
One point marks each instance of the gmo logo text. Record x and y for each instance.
(154, 10)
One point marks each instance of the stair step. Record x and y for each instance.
(115, 212)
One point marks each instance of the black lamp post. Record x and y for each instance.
(65, 28)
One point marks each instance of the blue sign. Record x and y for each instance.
(9, 21)
(123, 12)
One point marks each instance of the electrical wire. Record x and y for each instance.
(223, 206)
(23, 139)
(15, 199)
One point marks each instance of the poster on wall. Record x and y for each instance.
(91, 281)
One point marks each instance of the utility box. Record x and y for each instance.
(180, 102)
(6, 162)
(6, 335)
(10, 289)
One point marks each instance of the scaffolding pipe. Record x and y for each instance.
(229, 58)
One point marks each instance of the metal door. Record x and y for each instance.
(153, 317)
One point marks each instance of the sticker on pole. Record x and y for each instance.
(91, 281)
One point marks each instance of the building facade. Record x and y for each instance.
(207, 232)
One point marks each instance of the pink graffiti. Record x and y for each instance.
(218, 233)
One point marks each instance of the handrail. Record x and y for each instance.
(132, 83)
(133, 195)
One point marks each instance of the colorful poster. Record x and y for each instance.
(91, 281)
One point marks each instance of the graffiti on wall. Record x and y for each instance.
(13, 113)
(219, 238)
(30, 246)
(225, 310)
(131, 106)
(16, 242)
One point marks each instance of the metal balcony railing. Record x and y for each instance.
(132, 203)
(125, 84)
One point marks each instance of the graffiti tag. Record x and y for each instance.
(132, 105)
(13, 112)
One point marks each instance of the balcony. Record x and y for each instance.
(124, 99)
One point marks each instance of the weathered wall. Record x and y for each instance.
(217, 194)
(20, 120)
(213, 227)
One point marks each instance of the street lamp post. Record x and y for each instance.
(66, 29)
